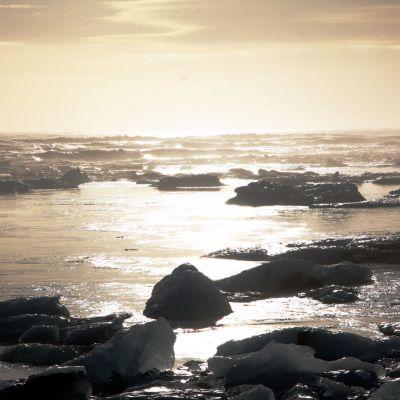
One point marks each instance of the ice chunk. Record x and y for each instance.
(41, 334)
(61, 383)
(276, 361)
(88, 334)
(129, 353)
(388, 391)
(300, 392)
(289, 276)
(11, 328)
(47, 305)
(38, 354)
(258, 392)
(328, 345)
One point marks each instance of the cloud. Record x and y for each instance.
(207, 22)
(50, 21)
(291, 21)
(19, 6)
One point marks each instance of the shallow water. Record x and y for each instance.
(103, 246)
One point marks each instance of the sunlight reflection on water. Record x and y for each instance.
(103, 247)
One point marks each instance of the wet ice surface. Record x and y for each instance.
(103, 247)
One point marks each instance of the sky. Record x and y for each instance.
(198, 66)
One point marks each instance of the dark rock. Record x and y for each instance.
(328, 345)
(309, 387)
(250, 392)
(144, 181)
(36, 305)
(300, 392)
(248, 254)
(256, 392)
(333, 294)
(380, 177)
(370, 249)
(168, 383)
(148, 177)
(41, 334)
(152, 175)
(56, 383)
(193, 365)
(188, 181)
(364, 379)
(318, 255)
(46, 183)
(265, 193)
(75, 177)
(381, 203)
(392, 367)
(38, 354)
(113, 318)
(392, 329)
(388, 391)
(263, 374)
(150, 378)
(281, 366)
(244, 297)
(12, 187)
(89, 334)
(287, 277)
(388, 180)
(241, 173)
(187, 298)
(167, 393)
(332, 390)
(11, 328)
(297, 178)
(394, 194)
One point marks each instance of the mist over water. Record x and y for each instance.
(103, 246)
(344, 151)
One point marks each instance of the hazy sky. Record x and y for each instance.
(198, 66)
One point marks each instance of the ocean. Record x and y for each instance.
(103, 246)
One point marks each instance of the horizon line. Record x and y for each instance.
(191, 134)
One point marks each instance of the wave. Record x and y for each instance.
(91, 155)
